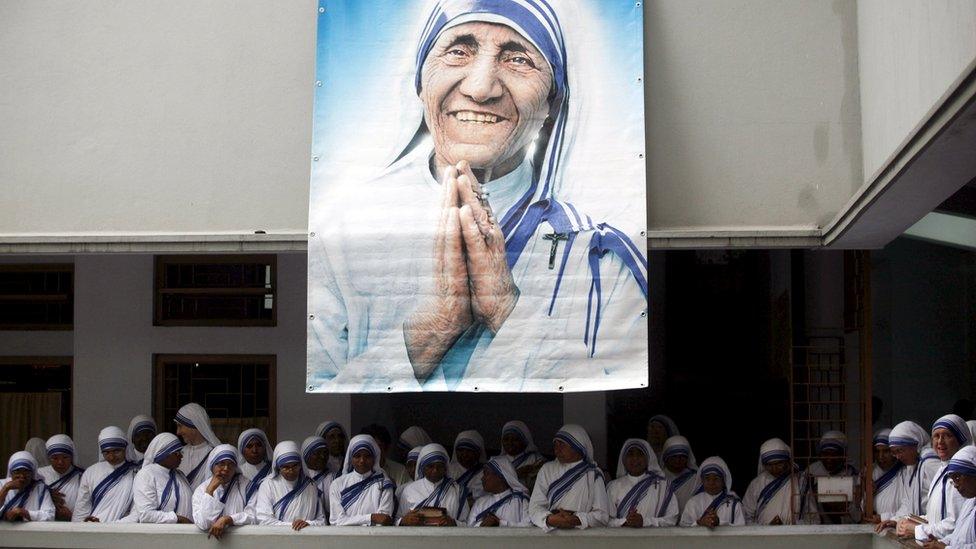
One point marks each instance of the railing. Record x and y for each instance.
(167, 536)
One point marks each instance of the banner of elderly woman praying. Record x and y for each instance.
(924, 480)
(483, 227)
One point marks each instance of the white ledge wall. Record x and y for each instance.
(163, 536)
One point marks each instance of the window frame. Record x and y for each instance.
(40, 267)
(163, 261)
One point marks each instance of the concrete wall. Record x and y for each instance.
(197, 117)
(910, 54)
(114, 341)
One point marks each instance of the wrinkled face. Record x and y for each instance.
(114, 456)
(466, 457)
(411, 466)
(656, 434)
(435, 471)
(173, 460)
(362, 461)
(142, 439)
(635, 462)
(883, 457)
(224, 470)
(512, 444)
(676, 463)
(60, 462)
(254, 451)
(713, 483)
(21, 477)
(564, 452)
(966, 484)
(905, 454)
(336, 441)
(317, 460)
(944, 443)
(492, 482)
(484, 89)
(777, 468)
(189, 434)
(833, 460)
(290, 472)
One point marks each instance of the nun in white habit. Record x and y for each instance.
(336, 440)
(220, 500)
(318, 467)
(681, 470)
(255, 464)
(506, 501)
(142, 429)
(62, 476)
(288, 497)
(410, 465)
(659, 429)
(467, 461)
(160, 492)
(949, 434)
(774, 496)
(518, 446)
(833, 462)
(637, 496)
(363, 495)
(37, 448)
(411, 438)
(105, 493)
(23, 494)
(886, 476)
(715, 504)
(432, 488)
(570, 491)
(963, 467)
(909, 443)
(193, 426)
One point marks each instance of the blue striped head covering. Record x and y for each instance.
(717, 466)
(470, 440)
(503, 467)
(882, 438)
(908, 433)
(363, 442)
(833, 440)
(520, 430)
(670, 427)
(162, 446)
(248, 435)
(955, 425)
(285, 453)
(679, 446)
(144, 426)
(429, 454)
(653, 467)
(773, 450)
(414, 453)
(327, 426)
(311, 444)
(22, 460)
(111, 438)
(963, 462)
(578, 439)
(412, 437)
(168, 450)
(224, 452)
(60, 444)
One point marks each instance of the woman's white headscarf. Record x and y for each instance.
(972, 428)
(429, 454)
(222, 452)
(327, 426)
(881, 437)
(963, 462)
(909, 433)
(521, 430)
(22, 460)
(246, 437)
(285, 453)
(772, 450)
(161, 447)
(833, 440)
(112, 438)
(577, 437)
(139, 423)
(670, 427)
(679, 446)
(38, 448)
(363, 442)
(412, 437)
(504, 468)
(653, 467)
(60, 444)
(471, 440)
(193, 415)
(309, 445)
(717, 465)
(955, 425)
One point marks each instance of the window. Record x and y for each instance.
(238, 391)
(220, 290)
(35, 399)
(36, 297)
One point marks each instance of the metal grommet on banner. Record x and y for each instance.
(560, 387)
(311, 387)
(311, 235)
(389, 388)
(640, 155)
(639, 79)
(638, 4)
(322, 9)
(475, 388)
(311, 317)
(318, 83)
(315, 159)
(644, 313)
(643, 233)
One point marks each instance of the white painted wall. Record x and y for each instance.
(197, 116)
(910, 54)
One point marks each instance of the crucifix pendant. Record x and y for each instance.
(555, 238)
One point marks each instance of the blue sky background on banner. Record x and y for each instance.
(366, 108)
